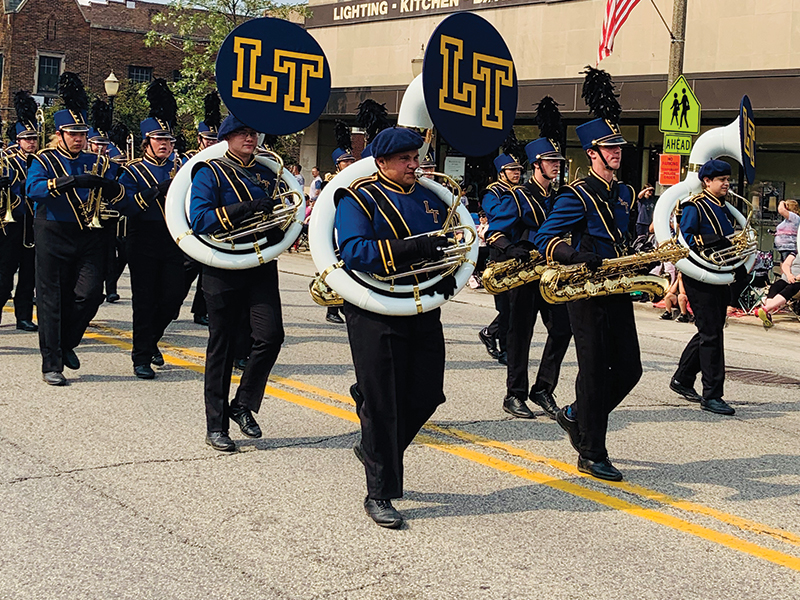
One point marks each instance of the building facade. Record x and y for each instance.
(40, 39)
(733, 47)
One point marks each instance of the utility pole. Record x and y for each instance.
(678, 41)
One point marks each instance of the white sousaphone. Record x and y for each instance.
(737, 141)
(363, 289)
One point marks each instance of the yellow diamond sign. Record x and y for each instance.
(680, 109)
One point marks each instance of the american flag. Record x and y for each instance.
(617, 12)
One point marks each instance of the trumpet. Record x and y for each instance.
(288, 202)
(6, 197)
(93, 206)
(744, 243)
(42, 129)
(129, 147)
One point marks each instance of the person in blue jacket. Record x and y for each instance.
(226, 191)
(595, 212)
(70, 250)
(706, 224)
(399, 360)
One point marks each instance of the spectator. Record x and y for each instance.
(315, 187)
(483, 251)
(786, 231)
(645, 204)
(676, 297)
(296, 172)
(783, 290)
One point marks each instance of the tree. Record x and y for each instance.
(198, 28)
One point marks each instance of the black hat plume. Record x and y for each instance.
(548, 119)
(514, 148)
(343, 138)
(598, 92)
(25, 107)
(213, 116)
(270, 141)
(119, 135)
(72, 92)
(162, 102)
(372, 118)
(101, 116)
(11, 131)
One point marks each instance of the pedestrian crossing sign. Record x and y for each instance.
(680, 109)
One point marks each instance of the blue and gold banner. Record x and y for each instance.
(747, 130)
(273, 76)
(470, 84)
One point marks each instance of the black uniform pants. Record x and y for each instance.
(156, 266)
(705, 352)
(399, 363)
(525, 302)
(498, 328)
(231, 295)
(192, 270)
(70, 267)
(15, 257)
(609, 365)
(115, 254)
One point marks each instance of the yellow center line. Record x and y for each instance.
(569, 487)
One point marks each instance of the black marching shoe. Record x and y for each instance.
(358, 450)
(502, 358)
(685, 391)
(570, 426)
(201, 320)
(71, 360)
(112, 298)
(144, 371)
(383, 513)
(54, 378)
(355, 393)
(489, 342)
(602, 469)
(219, 440)
(157, 358)
(546, 401)
(246, 422)
(240, 364)
(717, 405)
(334, 318)
(26, 325)
(517, 408)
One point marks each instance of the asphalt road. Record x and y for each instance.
(108, 491)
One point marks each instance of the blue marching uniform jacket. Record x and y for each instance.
(70, 206)
(18, 175)
(217, 184)
(512, 212)
(140, 175)
(374, 210)
(596, 214)
(704, 219)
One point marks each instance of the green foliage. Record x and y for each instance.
(198, 28)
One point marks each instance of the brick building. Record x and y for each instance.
(39, 39)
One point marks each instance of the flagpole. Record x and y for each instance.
(678, 41)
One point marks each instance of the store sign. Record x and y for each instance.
(669, 169)
(455, 167)
(675, 143)
(347, 13)
(679, 109)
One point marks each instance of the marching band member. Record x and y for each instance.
(225, 191)
(595, 210)
(154, 259)
(399, 360)
(16, 238)
(705, 222)
(70, 254)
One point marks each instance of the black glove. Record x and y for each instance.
(717, 242)
(149, 196)
(567, 255)
(163, 187)
(238, 211)
(274, 236)
(87, 180)
(518, 252)
(446, 287)
(263, 205)
(5, 183)
(415, 249)
(111, 189)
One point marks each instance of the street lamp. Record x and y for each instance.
(111, 84)
(416, 62)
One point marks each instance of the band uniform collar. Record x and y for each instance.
(66, 153)
(535, 182)
(395, 187)
(230, 156)
(605, 183)
(153, 160)
(713, 198)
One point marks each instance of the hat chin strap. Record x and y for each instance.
(541, 170)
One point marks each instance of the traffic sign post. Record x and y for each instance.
(669, 169)
(676, 143)
(679, 109)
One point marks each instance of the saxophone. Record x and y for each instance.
(566, 283)
(502, 276)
